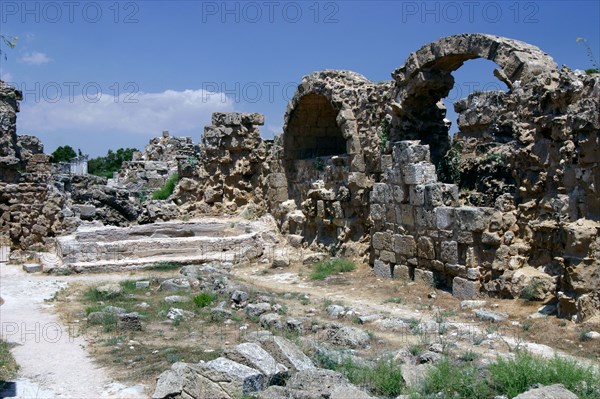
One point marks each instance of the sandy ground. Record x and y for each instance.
(54, 363)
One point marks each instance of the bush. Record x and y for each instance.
(384, 378)
(112, 162)
(204, 299)
(63, 154)
(166, 190)
(324, 269)
(8, 365)
(456, 380)
(514, 376)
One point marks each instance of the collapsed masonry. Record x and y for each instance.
(368, 169)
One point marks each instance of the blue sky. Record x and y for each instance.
(108, 74)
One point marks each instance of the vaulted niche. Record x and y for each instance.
(312, 130)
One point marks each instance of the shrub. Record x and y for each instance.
(204, 299)
(166, 190)
(456, 380)
(8, 365)
(384, 378)
(532, 291)
(514, 376)
(324, 269)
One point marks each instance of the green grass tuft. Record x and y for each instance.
(204, 299)
(166, 190)
(324, 269)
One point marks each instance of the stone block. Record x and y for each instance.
(425, 276)
(449, 251)
(417, 195)
(444, 218)
(473, 219)
(405, 245)
(32, 267)
(387, 256)
(473, 273)
(382, 269)
(465, 289)
(425, 248)
(399, 193)
(424, 219)
(401, 272)
(405, 216)
(381, 193)
(440, 194)
(454, 269)
(382, 240)
(377, 212)
(419, 173)
(407, 152)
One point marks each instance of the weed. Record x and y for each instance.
(514, 376)
(324, 269)
(469, 356)
(166, 190)
(8, 365)
(204, 299)
(319, 164)
(415, 349)
(454, 380)
(532, 291)
(384, 133)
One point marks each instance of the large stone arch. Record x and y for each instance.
(311, 111)
(426, 77)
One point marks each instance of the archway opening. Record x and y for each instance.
(312, 130)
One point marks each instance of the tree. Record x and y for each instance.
(63, 154)
(10, 42)
(106, 166)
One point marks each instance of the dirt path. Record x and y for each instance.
(53, 363)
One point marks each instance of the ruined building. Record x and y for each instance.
(368, 169)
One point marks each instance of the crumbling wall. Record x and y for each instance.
(231, 168)
(331, 144)
(530, 156)
(150, 169)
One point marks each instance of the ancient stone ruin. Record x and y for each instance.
(369, 170)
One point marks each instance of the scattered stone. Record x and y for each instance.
(175, 284)
(335, 311)
(257, 309)
(347, 336)
(414, 376)
(129, 321)
(140, 285)
(114, 310)
(592, 335)
(109, 290)
(486, 314)
(557, 391)
(176, 313)
(429, 357)
(472, 304)
(294, 325)
(286, 352)
(32, 268)
(280, 258)
(220, 312)
(252, 355)
(271, 320)
(176, 299)
(312, 258)
(239, 297)
(369, 318)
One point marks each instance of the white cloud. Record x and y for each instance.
(171, 110)
(35, 58)
(6, 76)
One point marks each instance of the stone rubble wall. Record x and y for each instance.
(231, 168)
(149, 170)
